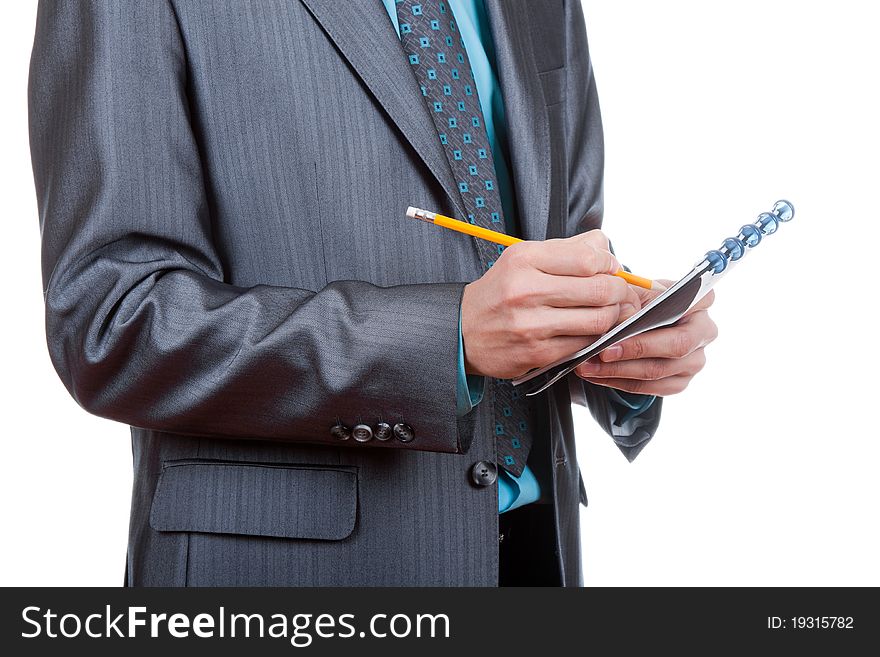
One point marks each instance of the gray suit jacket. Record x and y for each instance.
(221, 188)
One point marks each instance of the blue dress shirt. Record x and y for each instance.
(473, 24)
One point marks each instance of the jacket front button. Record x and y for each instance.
(484, 473)
(340, 432)
(383, 431)
(361, 433)
(404, 433)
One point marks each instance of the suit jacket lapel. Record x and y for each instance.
(366, 38)
(528, 128)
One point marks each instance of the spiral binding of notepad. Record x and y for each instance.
(750, 235)
(672, 304)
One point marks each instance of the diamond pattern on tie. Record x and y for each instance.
(439, 61)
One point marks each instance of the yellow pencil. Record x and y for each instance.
(506, 240)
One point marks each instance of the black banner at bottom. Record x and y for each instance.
(436, 621)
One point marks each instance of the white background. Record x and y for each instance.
(764, 472)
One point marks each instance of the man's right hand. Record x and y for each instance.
(541, 301)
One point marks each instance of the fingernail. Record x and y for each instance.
(588, 367)
(612, 353)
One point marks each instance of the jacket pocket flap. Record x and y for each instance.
(255, 499)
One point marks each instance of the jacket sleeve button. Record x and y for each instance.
(362, 433)
(340, 431)
(404, 433)
(383, 431)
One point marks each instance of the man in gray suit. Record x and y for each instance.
(316, 387)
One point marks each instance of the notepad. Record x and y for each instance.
(671, 305)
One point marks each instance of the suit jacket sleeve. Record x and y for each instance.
(585, 177)
(141, 324)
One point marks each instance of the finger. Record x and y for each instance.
(630, 305)
(573, 321)
(702, 324)
(645, 369)
(595, 238)
(564, 257)
(663, 388)
(554, 349)
(676, 341)
(702, 304)
(647, 296)
(573, 291)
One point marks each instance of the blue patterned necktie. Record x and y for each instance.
(438, 58)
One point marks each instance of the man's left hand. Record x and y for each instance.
(659, 362)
